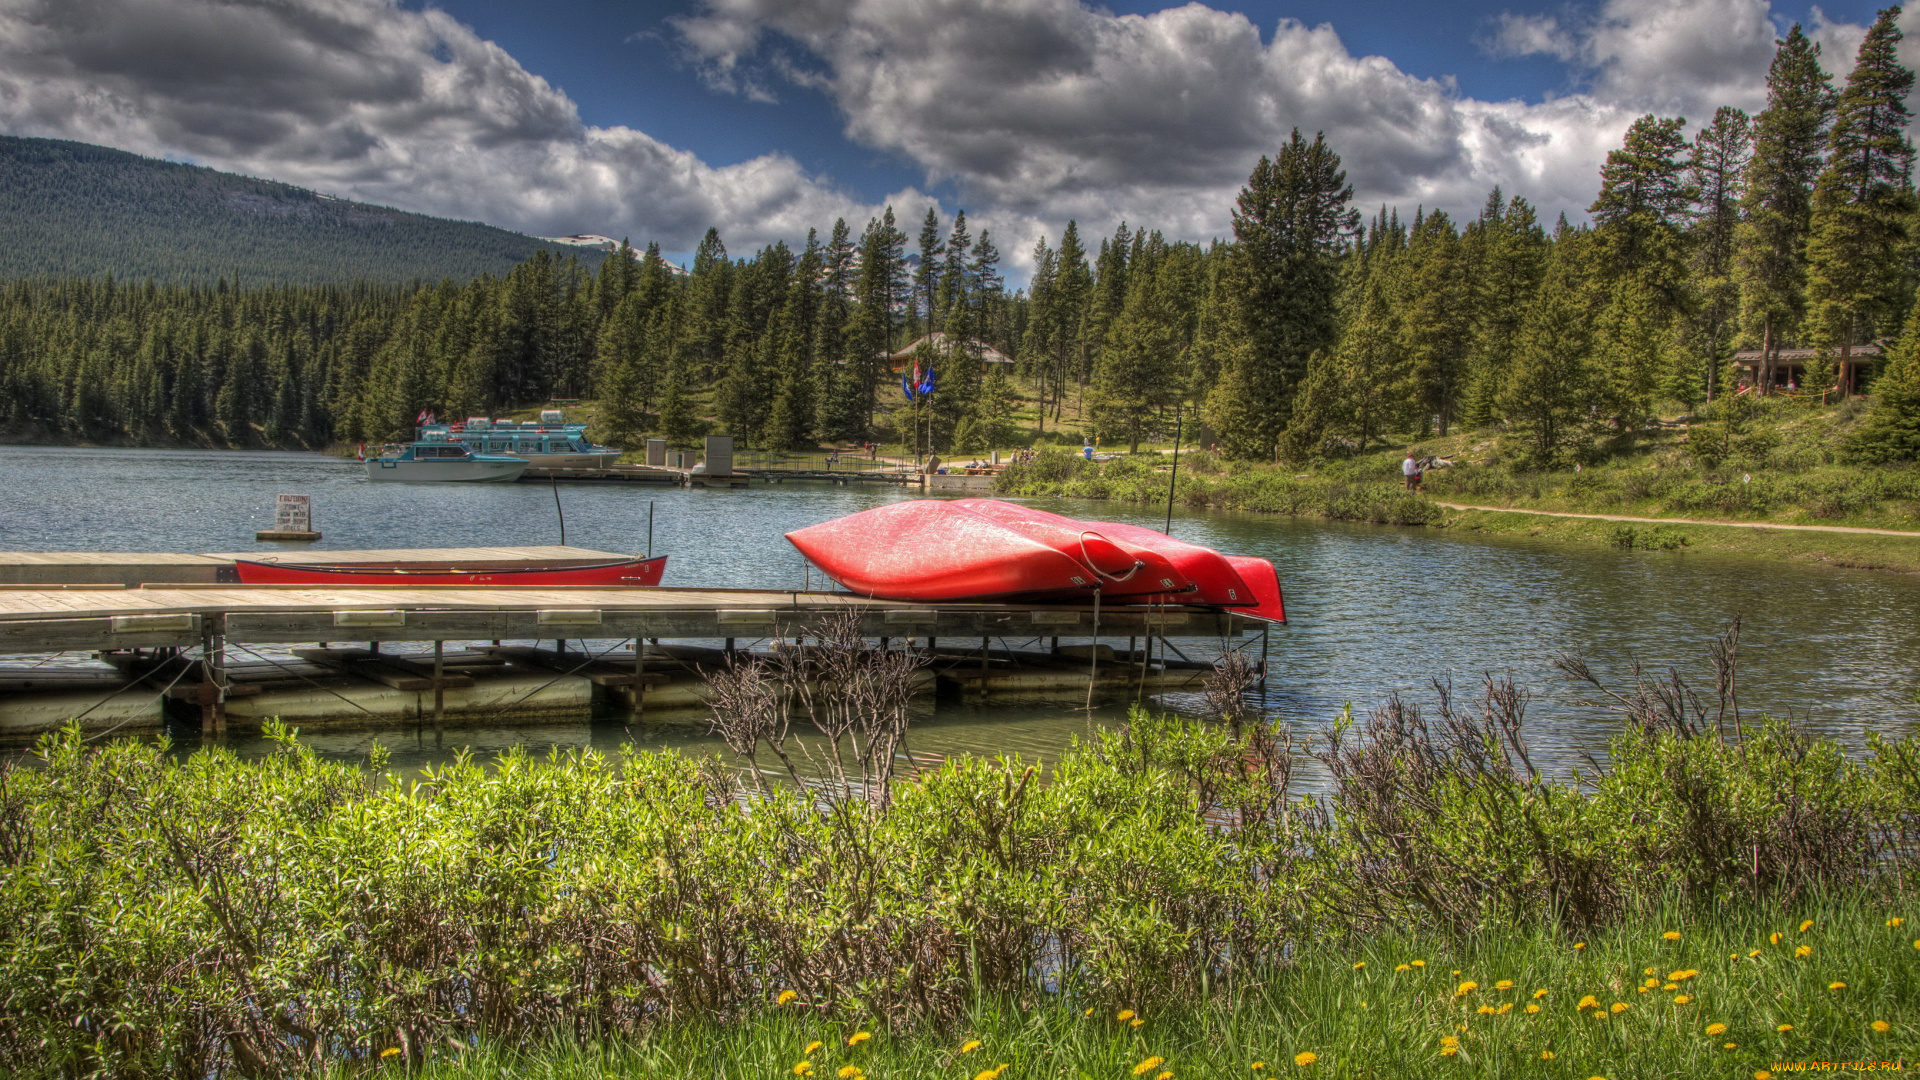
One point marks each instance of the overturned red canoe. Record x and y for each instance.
(624, 572)
(1218, 582)
(1264, 579)
(930, 550)
(1125, 569)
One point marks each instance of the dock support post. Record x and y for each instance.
(1093, 653)
(1265, 630)
(729, 648)
(213, 676)
(439, 686)
(986, 661)
(639, 676)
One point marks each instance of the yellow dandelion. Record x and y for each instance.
(1588, 1002)
(1881, 1026)
(1456, 971)
(1578, 945)
(1546, 1055)
(1466, 988)
(1258, 1065)
(1896, 922)
(1716, 1029)
(1671, 987)
(1620, 1007)
(1731, 1046)
(389, 1051)
(1916, 943)
(1135, 1022)
(812, 1046)
(1450, 1041)
(1651, 983)
(1540, 993)
(1784, 1028)
(785, 996)
(1671, 935)
(1401, 967)
(1089, 1011)
(859, 1037)
(970, 1046)
(987, 1074)
(1305, 1058)
(1168, 1075)
(804, 1068)
(1682, 999)
(1836, 986)
(1763, 1075)
(1773, 938)
(1753, 954)
(1649, 971)
(1358, 964)
(848, 1072)
(1505, 1008)
(1125, 1014)
(1503, 984)
(1423, 963)
(1531, 1009)
(1485, 1010)
(1806, 926)
(1148, 1066)
(1640, 989)
(1803, 951)
(1682, 975)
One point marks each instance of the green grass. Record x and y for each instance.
(1363, 1014)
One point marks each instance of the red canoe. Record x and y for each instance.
(930, 550)
(1261, 576)
(1125, 569)
(624, 572)
(1219, 583)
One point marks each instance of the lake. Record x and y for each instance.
(1374, 610)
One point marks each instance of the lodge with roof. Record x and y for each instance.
(942, 345)
(1855, 371)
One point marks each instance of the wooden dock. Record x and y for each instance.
(355, 654)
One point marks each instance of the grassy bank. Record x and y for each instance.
(1761, 463)
(208, 916)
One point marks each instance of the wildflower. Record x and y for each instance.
(1683, 974)
(1485, 1010)
(1359, 964)
(1148, 1065)
(1258, 1065)
(1649, 971)
(1671, 987)
(1620, 1007)
(1503, 984)
(1447, 1041)
(1531, 1009)
(1588, 1002)
(1540, 993)
(1682, 999)
(1773, 939)
(1125, 1014)
(811, 1047)
(1456, 971)
(987, 1074)
(1784, 1028)
(1753, 954)
(1671, 935)
(1896, 922)
(1763, 1075)
(1716, 1029)
(389, 1051)
(1168, 1075)
(1731, 1046)
(1881, 1026)
(785, 996)
(848, 1072)
(805, 1068)
(1578, 945)
(970, 1046)
(1089, 1011)
(1916, 943)
(1419, 963)
(1651, 983)
(1836, 986)
(1546, 1055)
(1806, 926)
(1401, 967)
(1466, 988)
(1135, 1022)
(859, 1037)
(1803, 951)
(1505, 1008)
(1305, 1058)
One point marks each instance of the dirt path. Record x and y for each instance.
(1683, 521)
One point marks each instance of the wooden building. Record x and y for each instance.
(943, 346)
(1790, 367)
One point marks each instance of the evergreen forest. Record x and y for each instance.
(1313, 331)
(69, 209)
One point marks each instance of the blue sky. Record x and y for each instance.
(765, 118)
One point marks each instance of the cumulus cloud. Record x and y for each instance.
(366, 100)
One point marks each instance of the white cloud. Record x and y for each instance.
(369, 101)
(1531, 35)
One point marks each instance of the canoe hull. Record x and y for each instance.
(1152, 574)
(1219, 584)
(628, 572)
(1262, 577)
(930, 550)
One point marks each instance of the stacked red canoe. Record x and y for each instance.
(931, 550)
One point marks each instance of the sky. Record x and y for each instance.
(765, 118)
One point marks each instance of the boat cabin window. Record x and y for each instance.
(440, 452)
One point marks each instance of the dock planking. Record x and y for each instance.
(35, 568)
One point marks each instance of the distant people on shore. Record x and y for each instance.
(1410, 468)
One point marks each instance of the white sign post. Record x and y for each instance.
(292, 520)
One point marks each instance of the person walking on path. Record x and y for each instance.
(1410, 468)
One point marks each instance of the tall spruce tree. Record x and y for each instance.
(1551, 384)
(1770, 243)
(1721, 152)
(1638, 220)
(1862, 206)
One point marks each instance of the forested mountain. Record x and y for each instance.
(1309, 333)
(71, 209)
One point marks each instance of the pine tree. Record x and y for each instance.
(1367, 384)
(927, 278)
(1862, 203)
(1552, 385)
(1892, 430)
(1509, 251)
(1721, 152)
(1291, 222)
(1643, 202)
(1437, 332)
(1777, 205)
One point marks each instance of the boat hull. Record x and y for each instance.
(1149, 573)
(930, 550)
(1262, 577)
(1218, 583)
(567, 461)
(449, 470)
(627, 572)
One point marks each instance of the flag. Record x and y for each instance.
(926, 387)
(906, 390)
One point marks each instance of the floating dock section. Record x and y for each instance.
(193, 647)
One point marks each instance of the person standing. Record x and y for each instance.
(1410, 468)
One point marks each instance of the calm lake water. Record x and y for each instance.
(1374, 610)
